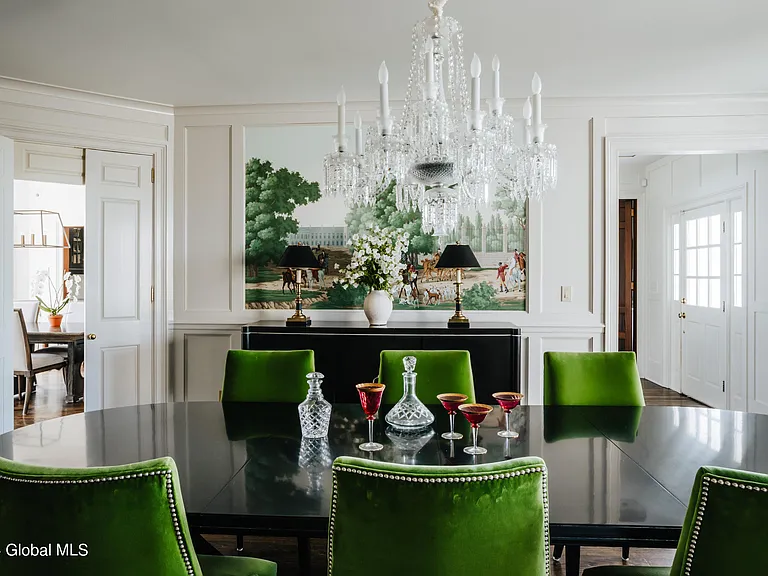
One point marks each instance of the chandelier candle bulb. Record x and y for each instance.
(358, 135)
(341, 100)
(536, 87)
(430, 53)
(476, 69)
(496, 65)
(527, 117)
(384, 93)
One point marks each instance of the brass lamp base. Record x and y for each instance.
(458, 320)
(298, 318)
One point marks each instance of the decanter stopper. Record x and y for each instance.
(409, 363)
(315, 411)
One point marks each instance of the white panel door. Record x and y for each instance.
(6, 284)
(676, 332)
(736, 385)
(704, 319)
(118, 279)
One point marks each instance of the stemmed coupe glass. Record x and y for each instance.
(475, 414)
(451, 403)
(508, 401)
(370, 399)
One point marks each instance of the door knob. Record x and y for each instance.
(681, 315)
(91, 336)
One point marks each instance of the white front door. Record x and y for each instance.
(6, 284)
(118, 279)
(704, 336)
(736, 385)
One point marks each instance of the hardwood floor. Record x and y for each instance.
(284, 551)
(47, 402)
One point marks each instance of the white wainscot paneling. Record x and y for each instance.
(206, 227)
(686, 174)
(718, 170)
(200, 360)
(760, 399)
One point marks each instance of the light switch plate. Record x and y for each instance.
(565, 293)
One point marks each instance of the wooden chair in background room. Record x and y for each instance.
(25, 364)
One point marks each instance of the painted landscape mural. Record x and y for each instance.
(285, 205)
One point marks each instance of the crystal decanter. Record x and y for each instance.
(409, 413)
(315, 411)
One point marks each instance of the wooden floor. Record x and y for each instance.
(284, 551)
(47, 402)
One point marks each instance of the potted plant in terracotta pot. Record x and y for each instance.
(53, 299)
(377, 266)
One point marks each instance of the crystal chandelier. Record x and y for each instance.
(445, 155)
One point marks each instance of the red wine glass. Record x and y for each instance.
(475, 414)
(508, 401)
(451, 403)
(370, 399)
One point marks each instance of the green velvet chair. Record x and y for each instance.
(267, 375)
(725, 528)
(592, 379)
(390, 519)
(438, 371)
(127, 520)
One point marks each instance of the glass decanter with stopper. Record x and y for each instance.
(315, 411)
(409, 413)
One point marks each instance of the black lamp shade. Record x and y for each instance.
(457, 256)
(298, 257)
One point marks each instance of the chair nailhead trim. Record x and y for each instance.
(705, 483)
(439, 479)
(169, 488)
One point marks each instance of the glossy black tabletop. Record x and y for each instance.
(616, 474)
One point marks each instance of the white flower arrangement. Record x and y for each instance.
(55, 301)
(376, 259)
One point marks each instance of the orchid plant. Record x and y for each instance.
(376, 259)
(51, 297)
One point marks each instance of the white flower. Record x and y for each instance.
(336, 266)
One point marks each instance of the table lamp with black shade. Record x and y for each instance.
(298, 258)
(458, 256)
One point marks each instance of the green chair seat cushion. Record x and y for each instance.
(592, 379)
(236, 566)
(267, 375)
(437, 372)
(438, 521)
(627, 571)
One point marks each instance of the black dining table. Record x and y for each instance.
(72, 334)
(617, 476)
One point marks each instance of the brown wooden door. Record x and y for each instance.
(627, 275)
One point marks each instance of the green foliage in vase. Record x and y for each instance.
(481, 296)
(384, 213)
(340, 296)
(271, 196)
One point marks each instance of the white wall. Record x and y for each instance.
(681, 182)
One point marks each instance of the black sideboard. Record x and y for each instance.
(347, 353)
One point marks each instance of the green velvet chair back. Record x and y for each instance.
(438, 371)
(390, 519)
(267, 375)
(592, 379)
(128, 519)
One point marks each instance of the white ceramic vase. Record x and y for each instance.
(377, 307)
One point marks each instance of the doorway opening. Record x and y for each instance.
(627, 275)
(49, 291)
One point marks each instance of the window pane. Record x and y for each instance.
(714, 293)
(714, 229)
(714, 261)
(690, 262)
(737, 217)
(702, 269)
(703, 295)
(690, 291)
(676, 287)
(703, 229)
(737, 288)
(676, 236)
(737, 259)
(690, 233)
(676, 262)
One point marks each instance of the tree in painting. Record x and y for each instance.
(270, 199)
(384, 213)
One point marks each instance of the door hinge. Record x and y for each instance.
(152, 173)
(632, 211)
(723, 385)
(723, 305)
(152, 294)
(723, 226)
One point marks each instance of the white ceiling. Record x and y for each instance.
(191, 52)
